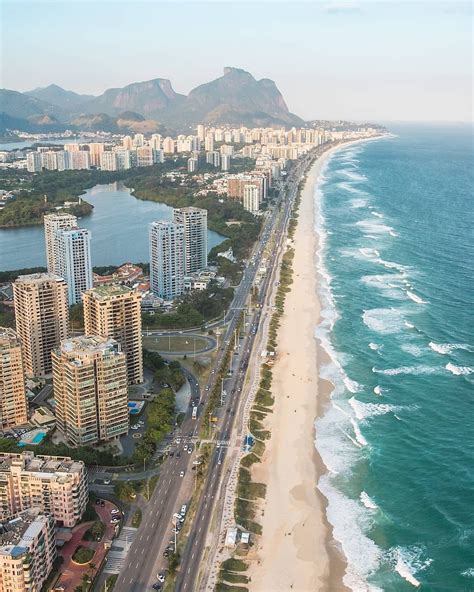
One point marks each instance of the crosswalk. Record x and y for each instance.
(118, 551)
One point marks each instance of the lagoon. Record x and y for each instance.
(119, 227)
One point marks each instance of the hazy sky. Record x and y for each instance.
(358, 60)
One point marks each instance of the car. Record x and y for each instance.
(185, 447)
(166, 553)
(98, 500)
(106, 481)
(190, 450)
(178, 454)
(171, 454)
(161, 577)
(114, 520)
(197, 462)
(134, 427)
(219, 462)
(181, 474)
(184, 508)
(115, 512)
(102, 503)
(178, 440)
(156, 586)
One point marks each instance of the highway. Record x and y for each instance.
(144, 559)
(187, 579)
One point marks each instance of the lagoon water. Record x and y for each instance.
(396, 219)
(119, 227)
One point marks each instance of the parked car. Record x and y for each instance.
(181, 474)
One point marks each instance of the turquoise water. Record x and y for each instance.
(396, 218)
(38, 438)
(119, 227)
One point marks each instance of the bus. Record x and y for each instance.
(195, 412)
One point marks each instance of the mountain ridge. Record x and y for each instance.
(235, 98)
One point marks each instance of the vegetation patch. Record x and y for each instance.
(83, 555)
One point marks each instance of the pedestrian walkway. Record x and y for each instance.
(119, 550)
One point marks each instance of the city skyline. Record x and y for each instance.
(344, 52)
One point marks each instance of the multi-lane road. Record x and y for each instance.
(144, 558)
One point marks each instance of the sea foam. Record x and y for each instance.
(447, 348)
(415, 370)
(384, 320)
(459, 370)
(415, 298)
(368, 501)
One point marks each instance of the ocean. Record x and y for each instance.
(395, 218)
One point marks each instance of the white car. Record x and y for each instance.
(185, 447)
(161, 577)
(181, 474)
(115, 521)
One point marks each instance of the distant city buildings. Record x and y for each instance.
(225, 162)
(13, 403)
(54, 484)
(42, 317)
(166, 240)
(27, 551)
(90, 390)
(114, 311)
(194, 221)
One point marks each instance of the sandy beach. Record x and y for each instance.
(295, 550)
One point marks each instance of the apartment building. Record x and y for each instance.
(251, 198)
(194, 221)
(54, 484)
(90, 390)
(52, 224)
(13, 403)
(166, 240)
(42, 318)
(114, 311)
(27, 551)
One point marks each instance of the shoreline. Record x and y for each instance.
(296, 531)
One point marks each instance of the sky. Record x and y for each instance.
(366, 61)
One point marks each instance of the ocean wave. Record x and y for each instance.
(364, 411)
(353, 176)
(409, 325)
(359, 203)
(347, 186)
(468, 572)
(375, 346)
(414, 370)
(373, 227)
(368, 501)
(348, 518)
(408, 561)
(378, 390)
(459, 370)
(377, 214)
(415, 298)
(358, 434)
(447, 348)
(384, 320)
(414, 350)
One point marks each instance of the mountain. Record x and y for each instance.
(238, 97)
(55, 95)
(235, 98)
(148, 98)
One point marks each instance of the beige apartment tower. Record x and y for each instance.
(90, 390)
(52, 224)
(13, 405)
(55, 484)
(114, 311)
(42, 317)
(27, 551)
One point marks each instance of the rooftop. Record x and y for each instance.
(17, 532)
(109, 290)
(40, 464)
(8, 338)
(88, 344)
(38, 278)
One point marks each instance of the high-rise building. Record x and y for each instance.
(127, 143)
(49, 160)
(52, 224)
(114, 311)
(64, 160)
(201, 132)
(213, 158)
(225, 162)
(42, 318)
(90, 389)
(33, 162)
(72, 147)
(194, 221)
(209, 142)
(95, 151)
(27, 551)
(155, 141)
(73, 261)
(138, 140)
(80, 160)
(192, 165)
(108, 161)
(145, 156)
(13, 404)
(55, 484)
(251, 199)
(166, 259)
(168, 146)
